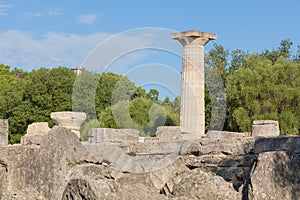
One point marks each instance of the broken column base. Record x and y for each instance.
(265, 128)
(69, 120)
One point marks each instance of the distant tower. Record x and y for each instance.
(77, 70)
(192, 113)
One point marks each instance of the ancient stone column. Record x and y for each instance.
(3, 132)
(192, 112)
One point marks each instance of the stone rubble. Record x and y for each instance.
(223, 165)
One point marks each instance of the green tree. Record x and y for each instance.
(106, 118)
(296, 57)
(238, 60)
(158, 117)
(139, 111)
(173, 116)
(113, 88)
(11, 91)
(153, 95)
(60, 85)
(41, 92)
(264, 89)
(11, 96)
(284, 51)
(173, 112)
(215, 94)
(138, 92)
(218, 58)
(84, 94)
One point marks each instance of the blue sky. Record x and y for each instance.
(36, 33)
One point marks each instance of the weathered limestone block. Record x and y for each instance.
(228, 146)
(110, 153)
(276, 175)
(281, 143)
(90, 188)
(141, 185)
(22, 194)
(98, 135)
(99, 182)
(64, 139)
(151, 139)
(162, 175)
(138, 147)
(196, 184)
(236, 169)
(3, 132)
(29, 167)
(37, 128)
(136, 162)
(69, 120)
(35, 133)
(137, 186)
(265, 128)
(218, 135)
(177, 147)
(168, 133)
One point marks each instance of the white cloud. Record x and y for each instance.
(126, 49)
(21, 49)
(95, 51)
(32, 14)
(124, 53)
(50, 12)
(54, 12)
(87, 19)
(38, 14)
(4, 8)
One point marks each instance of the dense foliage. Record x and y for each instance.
(28, 97)
(240, 88)
(260, 86)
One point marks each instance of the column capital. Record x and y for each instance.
(193, 37)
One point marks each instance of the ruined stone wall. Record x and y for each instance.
(224, 165)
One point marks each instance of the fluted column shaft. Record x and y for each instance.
(192, 113)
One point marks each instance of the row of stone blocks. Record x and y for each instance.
(163, 133)
(260, 128)
(73, 120)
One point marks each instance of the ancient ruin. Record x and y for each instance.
(223, 165)
(192, 116)
(179, 163)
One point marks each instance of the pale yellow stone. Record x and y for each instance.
(192, 113)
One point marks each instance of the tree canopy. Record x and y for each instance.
(261, 86)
